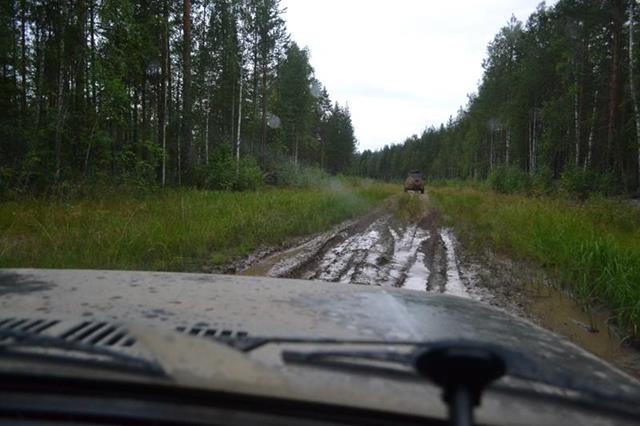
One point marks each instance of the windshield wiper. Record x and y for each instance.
(56, 348)
(462, 369)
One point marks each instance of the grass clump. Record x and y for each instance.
(170, 230)
(409, 207)
(592, 246)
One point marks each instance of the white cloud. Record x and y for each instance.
(401, 65)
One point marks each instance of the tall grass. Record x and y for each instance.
(409, 207)
(592, 246)
(172, 230)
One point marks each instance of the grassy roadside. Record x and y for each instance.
(593, 247)
(172, 230)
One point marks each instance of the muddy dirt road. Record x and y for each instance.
(421, 254)
(379, 249)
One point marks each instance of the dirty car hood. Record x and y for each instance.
(260, 307)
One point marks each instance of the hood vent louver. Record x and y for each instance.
(98, 334)
(102, 333)
(87, 332)
(34, 326)
(203, 330)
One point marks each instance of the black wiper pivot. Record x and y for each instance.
(462, 371)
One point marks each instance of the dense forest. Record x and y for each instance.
(557, 101)
(192, 92)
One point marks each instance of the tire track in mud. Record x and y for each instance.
(379, 249)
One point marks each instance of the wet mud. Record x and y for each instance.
(380, 249)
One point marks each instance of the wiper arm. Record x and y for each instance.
(13, 341)
(462, 369)
(379, 361)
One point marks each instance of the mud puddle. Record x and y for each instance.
(526, 291)
(589, 329)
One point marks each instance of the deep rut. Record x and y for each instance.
(378, 250)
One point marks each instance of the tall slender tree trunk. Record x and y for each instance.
(135, 131)
(239, 123)
(186, 85)
(81, 46)
(529, 146)
(322, 149)
(93, 54)
(23, 61)
(206, 132)
(533, 142)
(14, 60)
(163, 112)
(491, 152)
(508, 147)
(256, 79)
(232, 123)
(636, 111)
(594, 117)
(263, 139)
(39, 74)
(614, 77)
(576, 116)
(59, 107)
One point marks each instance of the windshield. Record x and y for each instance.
(488, 151)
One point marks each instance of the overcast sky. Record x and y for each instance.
(401, 65)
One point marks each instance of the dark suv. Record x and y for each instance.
(414, 182)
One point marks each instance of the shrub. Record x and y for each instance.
(581, 183)
(509, 180)
(250, 175)
(577, 182)
(283, 172)
(221, 175)
(542, 182)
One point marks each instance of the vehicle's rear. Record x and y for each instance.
(414, 182)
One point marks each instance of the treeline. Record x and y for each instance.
(558, 100)
(159, 92)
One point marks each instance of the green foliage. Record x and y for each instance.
(581, 183)
(295, 104)
(285, 172)
(224, 174)
(545, 104)
(591, 246)
(542, 182)
(176, 230)
(98, 92)
(338, 139)
(250, 175)
(136, 171)
(509, 180)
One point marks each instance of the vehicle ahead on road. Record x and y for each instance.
(414, 182)
(111, 347)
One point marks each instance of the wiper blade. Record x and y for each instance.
(251, 343)
(461, 370)
(12, 342)
(379, 361)
(433, 361)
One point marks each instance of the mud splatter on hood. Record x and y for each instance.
(293, 308)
